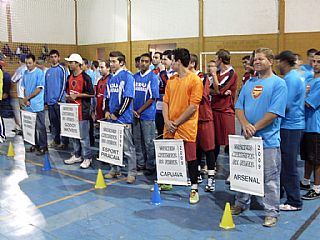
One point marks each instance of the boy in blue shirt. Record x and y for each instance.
(310, 144)
(291, 131)
(260, 106)
(33, 86)
(55, 91)
(144, 111)
(118, 106)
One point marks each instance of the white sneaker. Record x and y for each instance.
(85, 164)
(72, 160)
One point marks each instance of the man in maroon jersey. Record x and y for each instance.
(223, 100)
(104, 67)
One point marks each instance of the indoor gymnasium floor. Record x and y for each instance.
(63, 204)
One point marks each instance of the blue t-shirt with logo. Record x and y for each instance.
(259, 96)
(30, 82)
(120, 86)
(313, 112)
(146, 87)
(294, 118)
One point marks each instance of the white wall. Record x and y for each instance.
(42, 21)
(162, 19)
(302, 16)
(102, 21)
(3, 23)
(240, 17)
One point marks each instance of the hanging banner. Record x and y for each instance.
(246, 165)
(170, 162)
(29, 126)
(70, 126)
(111, 143)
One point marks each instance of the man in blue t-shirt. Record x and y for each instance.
(144, 111)
(291, 131)
(33, 87)
(55, 91)
(310, 144)
(118, 106)
(260, 106)
(307, 69)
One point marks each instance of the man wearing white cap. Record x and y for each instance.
(80, 90)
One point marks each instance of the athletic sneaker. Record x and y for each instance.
(210, 187)
(85, 164)
(270, 221)
(305, 186)
(61, 146)
(163, 187)
(110, 175)
(288, 207)
(194, 196)
(72, 160)
(204, 170)
(53, 144)
(311, 195)
(199, 179)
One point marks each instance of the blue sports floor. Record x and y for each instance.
(63, 204)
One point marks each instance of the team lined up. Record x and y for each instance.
(182, 103)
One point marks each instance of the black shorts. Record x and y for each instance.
(310, 148)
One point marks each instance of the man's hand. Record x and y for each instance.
(136, 114)
(5, 95)
(228, 92)
(107, 115)
(113, 117)
(249, 130)
(73, 96)
(26, 101)
(171, 126)
(93, 116)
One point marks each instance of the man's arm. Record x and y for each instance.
(265, 121)
(147, 104)
(32, 95)
(248, 129)
(186, 115)
(168, 123)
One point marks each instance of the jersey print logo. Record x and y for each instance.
(257, 91)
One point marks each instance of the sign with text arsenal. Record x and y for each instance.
(246, 165)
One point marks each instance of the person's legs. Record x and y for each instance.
(129, 151)
(54, 123)
(41, 130)
(289, 177)
(2, 130)
(137, 138)
(159, 124)
(148, 131)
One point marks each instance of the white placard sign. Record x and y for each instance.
(70, 125)
(29, 126)
(170, 162)
(246, 165)
(111, 143)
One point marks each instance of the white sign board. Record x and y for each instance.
(170, 162)
(29, 126)
(246, 165)
(70, 126)
(111, 143)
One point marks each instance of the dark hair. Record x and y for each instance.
(247, 57)
(167, 53)
(160, 53)
(137, 59)
(287, 56)
(224, 55)
(194, 59)
(298, 56)
(146, 55)
(95, 63)
(85, 61)
(30, 55)
(311, 50)
(317, 53)
(119, 55)
(107, 62)
(53, 51)
(183, 55)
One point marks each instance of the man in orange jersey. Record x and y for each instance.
(180, 112)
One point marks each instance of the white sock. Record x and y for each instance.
(194, 187)
(305, 181)
(316, 188)
(211, 172)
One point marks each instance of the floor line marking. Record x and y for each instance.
(306, 224)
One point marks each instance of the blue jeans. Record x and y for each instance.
(143, 136)
(41, 132)
(129, 153)
(81, 147)
(271, 199)
(54, 118)
(289, 178)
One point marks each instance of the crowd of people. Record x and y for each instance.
(169, 98)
